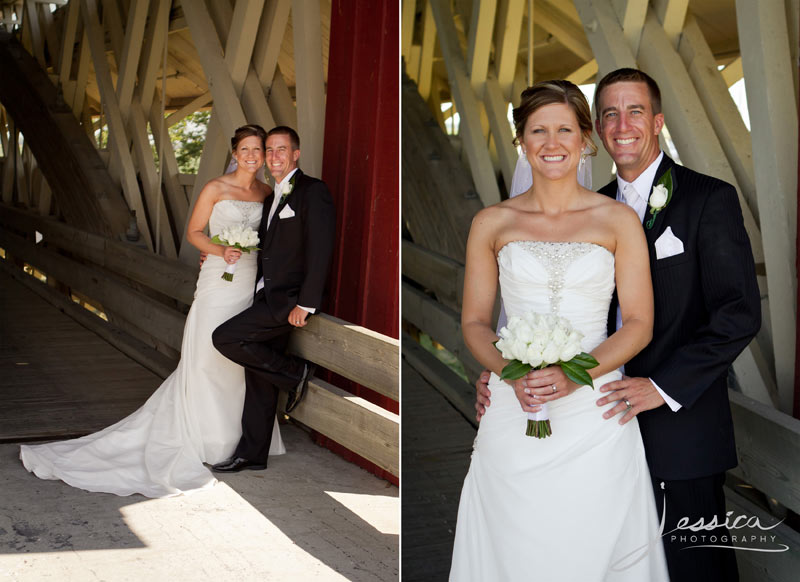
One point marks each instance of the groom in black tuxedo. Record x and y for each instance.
(296, 237)
(707, 309)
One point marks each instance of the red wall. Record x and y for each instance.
(361, 168)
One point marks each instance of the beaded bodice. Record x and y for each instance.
(574, 280)
(232, 212)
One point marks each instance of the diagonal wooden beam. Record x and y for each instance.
(583, 73)
(480, 42)
(408, 14)
(764, 42)
(82, 76)
(468, 106)
(31, 18)
(508, 27)
(309, 83)
(280, 101)
(427, 50)
(605, 36)
(239, 48)
(631, 15)
(117, 133)
(131, 51)
(720, 107)
(563, 28)
(274, 21)
(497, 111)
(68, 37)
(671, 14)
(209, 49)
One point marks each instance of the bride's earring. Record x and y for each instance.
(581, 163)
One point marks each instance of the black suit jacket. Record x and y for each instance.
(296, 252)
(707, 309)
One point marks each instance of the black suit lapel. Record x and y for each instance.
(272, 225)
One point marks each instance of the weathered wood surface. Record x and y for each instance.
(757, 566)
(81, 185)
(116, 296)
(768, 445)
(443, 276)
(437, 442)
(362, 427)
(439, 199)
(357, 353)
(441, 323)
(460, 394)
(58, 379)
(170, 277)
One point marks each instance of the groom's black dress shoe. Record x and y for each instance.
(297, 394)
(236, 464)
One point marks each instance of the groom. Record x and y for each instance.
(707, 309)
(296, 239)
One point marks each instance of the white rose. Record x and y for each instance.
(504, 347)
(559, 336)
(533, 356)
(551, 353)
(519, 348)
(658, 199)
(569, 351)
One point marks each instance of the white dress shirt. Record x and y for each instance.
(279, 188)
(635, 194)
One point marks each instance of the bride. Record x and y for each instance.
(195, 416)
(579, 504)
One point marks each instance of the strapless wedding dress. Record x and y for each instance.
(194, 416)
(576, 506)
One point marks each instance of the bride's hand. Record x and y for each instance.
(231, 254)
(547, 384)
(526, 399)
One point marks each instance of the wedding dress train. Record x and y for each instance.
(193, 417)
(577, 506)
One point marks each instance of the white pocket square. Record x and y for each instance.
(668, 245)
(287, 212)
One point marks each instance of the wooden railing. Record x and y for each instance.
(767, 441)
(145, 298)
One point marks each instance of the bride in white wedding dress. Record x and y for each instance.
(577, 506)
(195, 415)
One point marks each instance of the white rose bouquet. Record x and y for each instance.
(240, 236)
(535, 341)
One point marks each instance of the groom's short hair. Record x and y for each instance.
(286, 130)
(632, 76)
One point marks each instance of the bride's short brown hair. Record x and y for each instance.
(548, 93)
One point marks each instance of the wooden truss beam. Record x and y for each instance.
(480, 42)
(507, 36)
(764, 42)
(468, 106)
(310, 83)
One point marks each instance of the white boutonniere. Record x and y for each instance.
(288, 188)
(660, 196)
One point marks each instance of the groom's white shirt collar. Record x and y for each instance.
(641, 184)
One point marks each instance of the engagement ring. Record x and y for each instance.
(627, 403)
(554, 389)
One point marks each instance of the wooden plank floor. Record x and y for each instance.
(437, 442)
(58, 379)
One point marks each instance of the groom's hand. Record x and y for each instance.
(639, 392)
(297, 317)
(484, 395)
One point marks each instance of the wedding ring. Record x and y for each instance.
(627, 404)
(554, 389)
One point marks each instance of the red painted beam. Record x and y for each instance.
(361, 161)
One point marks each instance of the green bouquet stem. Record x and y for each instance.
(227, 276)
(539, 429)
